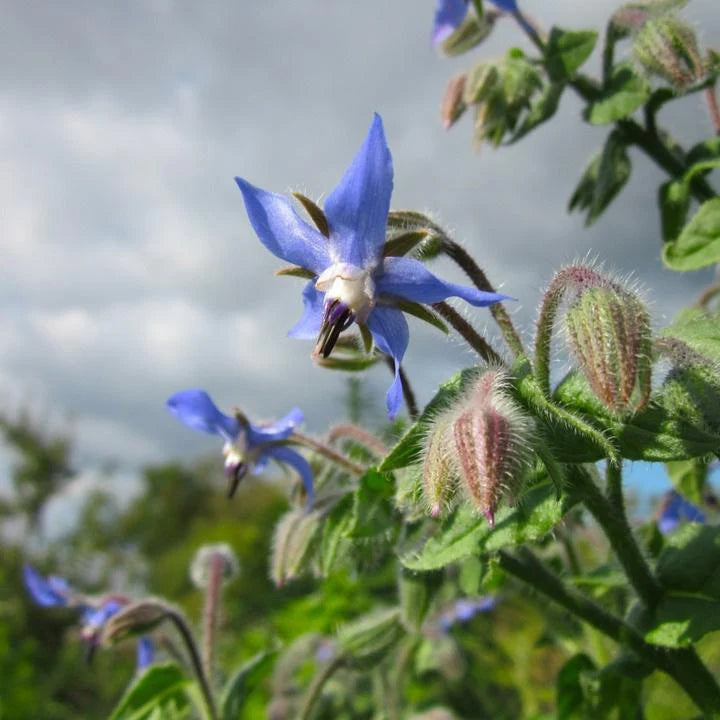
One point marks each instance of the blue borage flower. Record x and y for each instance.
(54, 591)
(352, 281)
(449, 15)
(248, 447)
(676, 509)
(465, 609)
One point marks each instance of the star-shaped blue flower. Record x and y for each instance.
(352, 280)
(676, 509)
(55, 591)
(449, 15)
(248, 447)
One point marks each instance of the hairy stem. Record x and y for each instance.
(318, 682)
(211, 612)
(465, 261)
(327, 452)
(682, 664)
(359, 435)
(187, 637)
(609, 512)
(713, 107)
(476, 341)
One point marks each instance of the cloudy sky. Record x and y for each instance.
(129, 269)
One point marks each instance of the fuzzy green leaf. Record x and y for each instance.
(674, 200)
(699, 243)
(625, 92)
(679, 620)
(465, 534)
(688, 477)
(246, 678)
(162, 687)
(566, 51)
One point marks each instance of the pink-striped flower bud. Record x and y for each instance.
(453, 103)
(493, 437)
(608, 331)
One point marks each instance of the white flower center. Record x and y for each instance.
(236, 452)
(351, 285)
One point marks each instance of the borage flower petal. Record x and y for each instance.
(389, 329)
(284, 454)
(357, 209)
(196, 409)
(283, 232)
(52, 591)
(449, 15)
(145, 652)
(308, 327)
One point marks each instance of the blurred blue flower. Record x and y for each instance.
(248, 447)
(353, 281)
(676, 509)
(449, 15)
(55, 591)
(466, 609)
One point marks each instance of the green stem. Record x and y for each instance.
(211, 611)
(316, 686)
(465, 261)
(609, 512)
(476, 341)
(682, 664)
(712, 102)
(359, 435)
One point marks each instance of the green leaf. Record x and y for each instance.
(570, 687)
(706, 150)
(566, 51)
(688, 477)
(674, 200)
(657, 433)
(604, 177)
(416, 591)
(373, 512)
(690, 562)
(699, 243)
(246, 678)
(160, 687)
(465, 534)
(542, 108)
(698, 328)
(408, 448)
(679, 620)
(625, 92)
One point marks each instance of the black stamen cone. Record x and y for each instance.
(236, 474)
(338, 317)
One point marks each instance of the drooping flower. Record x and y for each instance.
(676, 509)
(248, 447)
(352, 281)
(55, 591)
(449, 15)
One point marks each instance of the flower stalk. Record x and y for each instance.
(476, 341)
(327, 452)
(211, 611)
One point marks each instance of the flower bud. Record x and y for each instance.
(292, 541)
(667, 47)
(369, 638)
(135, 619)
(608, 330)
(200, 567)
(440, 466)
(453, 103)
(492, 440)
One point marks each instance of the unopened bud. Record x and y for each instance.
(667, 47)
(440, 466)
(201, 566)
(493, 437)
(608, 330)
(453, 104)
(292, 542)
(136, 618)
(369, 638)
(471, 32)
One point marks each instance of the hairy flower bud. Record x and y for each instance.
(453, 103)
(608, 330)
(292, 541)
(440, 466)
(667, 47)
(368, 639)
(492, 440)
(200, 567)
(135, 619)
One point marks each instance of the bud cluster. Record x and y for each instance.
(480, 446)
